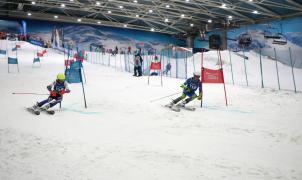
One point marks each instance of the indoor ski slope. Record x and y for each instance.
(123, 136)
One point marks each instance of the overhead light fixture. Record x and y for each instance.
(99, 22)
(223, 5)
(71, 0)
(28, 14)
(150, 11)
(135, 1)
(62, 5)
(191, 24)
(187, 0)
(182, 16)
(125, 25)
(137, 15)
(109, 12)
(166, 20)
(210, 21)
(79, 20)
(97, 3)
(167, 6)
(250, 0)
(230, 17)
(255, 12)
(56, 17)
(121, 7)
(33, 2)
(152, 29)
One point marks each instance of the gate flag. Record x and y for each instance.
(212, 76)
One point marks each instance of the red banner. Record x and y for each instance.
(18, 46)
(212, 76)
(155, 66)
(44, 51)
(40, 54)
(67, 62)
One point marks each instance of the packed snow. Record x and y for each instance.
(123, 135)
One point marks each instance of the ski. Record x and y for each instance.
(50, 112)
(173, 108)
(187, 108)
(30, 109)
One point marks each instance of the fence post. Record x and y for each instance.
(231, 66)
(262, 85)
(247, 83)
(292, 64)
(277, 68)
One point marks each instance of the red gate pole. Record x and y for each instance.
(201, 91)
(225, 96)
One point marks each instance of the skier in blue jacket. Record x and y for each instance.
(56, 89)
(189, 88)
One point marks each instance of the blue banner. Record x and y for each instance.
(12, 60)
(14, 49)
(36, 60)
(3, 52)
(36, 42)
(73, 75)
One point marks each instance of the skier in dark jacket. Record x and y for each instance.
(138, 61)
(189, 88)
(56, 89)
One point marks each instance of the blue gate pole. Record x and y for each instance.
(186, 62)
(176, 59)
(292, 64)
(260, 54)
(231, 67)
(277, 68)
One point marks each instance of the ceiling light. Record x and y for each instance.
(56, 17)
(62, 5)
(187, 0)
(167, 6)
(230, 17)
(152, 29)
(71, 0)
(125, 25)
(33, 2)
(29, 14)
(109, 12)
(166, 20)
(121, 7)
(251, 0)
(255, 12)
(99, 22)
(135, 1)
(210, 21)
(191, 24)
(223, 6)
(182, 16)
(137, 15)
(79, 20)
(150, 11)
(97, 3)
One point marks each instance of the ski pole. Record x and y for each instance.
(30, 93)
(164, 97)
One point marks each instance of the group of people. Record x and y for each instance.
(59, 87)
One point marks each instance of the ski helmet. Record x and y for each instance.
(197, 73)
(61, 76)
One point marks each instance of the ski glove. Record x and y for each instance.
(49, 88)
(53, 94)
(200, 96)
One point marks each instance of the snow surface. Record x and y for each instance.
(122, 135)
